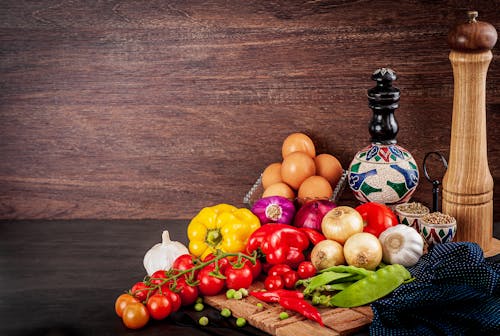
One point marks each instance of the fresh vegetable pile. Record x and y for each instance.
(307, 251)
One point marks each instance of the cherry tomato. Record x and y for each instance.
(184, 262)
(209, 285)
(159, 306)
(306, 270)
(140, 290)
(174, 298)
(279, 269)
(135, 315)
(157, 277)
(256, 269)
(223, 262)
(273, 282)
(290, 278)
(188, 293)
(237, 278)
(122, 301)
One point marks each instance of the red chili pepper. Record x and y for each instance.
(302, 307)
(313, 235)
(276, 295)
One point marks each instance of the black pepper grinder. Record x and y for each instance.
(383, 99)
(383, 172)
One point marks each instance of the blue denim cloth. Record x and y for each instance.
(455, 292)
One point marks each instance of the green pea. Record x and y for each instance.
(199, 300)
(230, 293)
(240, 322)
(372, 287)
(283, 316)
(203, 321)
(199, 307)
(225, 312)
(259, 305)
(243, 291)
(237, 295)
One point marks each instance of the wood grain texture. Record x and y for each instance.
(155, 109)
(468, 184)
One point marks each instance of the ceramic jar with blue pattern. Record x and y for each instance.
(383, 172)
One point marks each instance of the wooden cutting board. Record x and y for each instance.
(338, 321)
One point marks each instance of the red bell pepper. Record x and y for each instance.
(313, 235)
(281, 243)
(284, 245)
(257, 237)
(376, 217)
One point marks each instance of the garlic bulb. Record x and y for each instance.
(402, 245)
(162, 255)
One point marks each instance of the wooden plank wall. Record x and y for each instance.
(155, 109)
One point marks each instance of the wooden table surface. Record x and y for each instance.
(62, 278)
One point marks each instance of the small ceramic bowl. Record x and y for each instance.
(410, 213)
(437, 233)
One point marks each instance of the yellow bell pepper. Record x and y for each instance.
(221, 227)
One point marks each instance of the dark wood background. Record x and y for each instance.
(155, 109)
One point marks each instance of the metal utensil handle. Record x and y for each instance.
(435, 182)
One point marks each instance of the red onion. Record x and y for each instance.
(311, 214)
(274, 209)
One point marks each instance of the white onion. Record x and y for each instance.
(327, 253)
(363, 250)
(340, 223)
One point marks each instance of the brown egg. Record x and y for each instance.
(279, 189)
(271, 175)
(298, 142)
(314, 187)
(329, 167)
(296, 167)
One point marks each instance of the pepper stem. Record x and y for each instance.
(213, 238)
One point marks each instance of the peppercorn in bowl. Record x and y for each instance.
(410, 213)
(437, 228)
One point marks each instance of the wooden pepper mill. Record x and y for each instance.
(468, 184)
